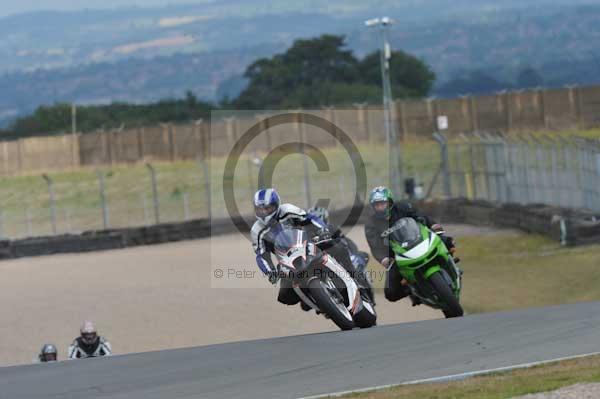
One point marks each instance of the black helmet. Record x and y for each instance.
(48, 353)
(405, 207)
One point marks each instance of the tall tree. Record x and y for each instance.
(409, 76)
(321, 71)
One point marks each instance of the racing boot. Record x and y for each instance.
(415, 300)
(455, 258)
(408, 292)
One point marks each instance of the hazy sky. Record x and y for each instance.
(8, 7)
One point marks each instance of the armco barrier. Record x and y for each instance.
(571, 227)
(62, 244)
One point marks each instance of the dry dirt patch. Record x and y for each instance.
(150, 298)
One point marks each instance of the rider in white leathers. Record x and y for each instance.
(89, 343)
(269, 214)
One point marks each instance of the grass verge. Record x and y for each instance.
(24, 200)
(513, 270)
(502, 385)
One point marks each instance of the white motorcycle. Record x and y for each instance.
(321, 282)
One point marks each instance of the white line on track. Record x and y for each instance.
(448, 378)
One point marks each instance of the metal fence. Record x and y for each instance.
(544, 169)
(65, 203)
(524, 168)
(548, 169)
(165, 192)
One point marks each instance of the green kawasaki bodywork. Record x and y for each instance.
(417, 270)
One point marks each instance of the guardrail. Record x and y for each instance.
(568, 226)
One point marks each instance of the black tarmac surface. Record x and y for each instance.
(297, 366)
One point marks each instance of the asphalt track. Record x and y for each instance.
(292, 367)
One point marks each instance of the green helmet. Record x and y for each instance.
(381, 194)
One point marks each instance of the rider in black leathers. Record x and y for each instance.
(384, 213)
(359, 259)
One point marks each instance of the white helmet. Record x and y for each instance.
(88, 332)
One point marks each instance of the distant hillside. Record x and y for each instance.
(61, 39)
(135, 80)
(139, 55)
(505, 41)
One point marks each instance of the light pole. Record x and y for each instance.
(388, 105)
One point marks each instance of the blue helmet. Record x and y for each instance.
(266, 204)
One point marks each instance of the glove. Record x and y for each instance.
(273, 277)
(387, 263)
(322, 235)
(438, 229)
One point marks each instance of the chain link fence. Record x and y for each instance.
(526, 169)
(72, 203)
(105, 197)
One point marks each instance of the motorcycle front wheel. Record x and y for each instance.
(366, 317)
(451, 307)
(330, 302)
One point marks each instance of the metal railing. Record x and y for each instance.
(544, 169)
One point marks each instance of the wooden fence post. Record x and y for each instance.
(579, 113)
(572, 105)
(402, 118)
(20, 159)
(474, 116)
(140, 143)
(508, 111)
(170, 135)
(541, 94)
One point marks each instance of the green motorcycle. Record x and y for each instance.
(427, 265)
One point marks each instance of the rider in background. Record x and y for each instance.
(271, 213)
(359, 259)
(89, 343)
(385, 213)
(48, 353)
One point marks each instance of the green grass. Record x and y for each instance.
(129, 194)
(25, 202)
(590, 133)
(512, 270)
(517, 270)
(500, 386)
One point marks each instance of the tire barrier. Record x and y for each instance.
(568, 226)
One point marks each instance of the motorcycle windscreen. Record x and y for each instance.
(407, 233)
(290, 248)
